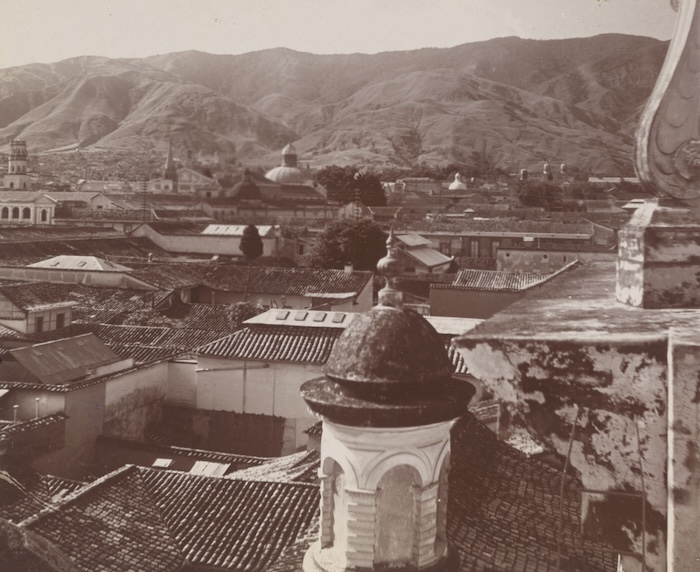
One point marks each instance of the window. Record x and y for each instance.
(44, 215)
(5, 212)
(39, 324)
(396, 516)
(474, 249)
(300, 249)
(494, 248)
(15, 212)
(446, 247)
(26, 213)
(60, 321)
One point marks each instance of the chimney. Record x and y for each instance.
(348, 268)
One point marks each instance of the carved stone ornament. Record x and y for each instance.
(667, 146)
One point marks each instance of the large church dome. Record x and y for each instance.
(288, 173)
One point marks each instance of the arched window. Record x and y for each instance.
(5, 213)
(12, 185)
(44, 215)
(15, 212)
(26, 213)
(396, 516)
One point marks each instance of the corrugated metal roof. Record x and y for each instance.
(427, 256)
(64, 360)
(412, 239)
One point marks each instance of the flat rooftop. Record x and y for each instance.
(581, 305)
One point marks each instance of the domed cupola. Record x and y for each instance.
(288, 173)
(389, 367)
(246, 189)
(388, 401)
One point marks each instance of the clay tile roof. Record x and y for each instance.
(300, 467)
(504, 509)
(233, 459)
(111, 525)
(499, 280)
(170, 276)
(145, 344)
(297, 344)
(90, 303)
(494, 280)
(12, 429)
(24, 492)
(503, 512)
(227, 523)
(315, 429)
(214, 317)
(31, 295)
(286, 281)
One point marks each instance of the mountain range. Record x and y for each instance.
(520, 101)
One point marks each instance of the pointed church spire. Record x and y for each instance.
(170, 169)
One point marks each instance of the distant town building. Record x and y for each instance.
(25, 207)
(288, 173)
(17, 177)
(285, 191)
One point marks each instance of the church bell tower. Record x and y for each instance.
(17, 177)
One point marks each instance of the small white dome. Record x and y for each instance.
(458, 184)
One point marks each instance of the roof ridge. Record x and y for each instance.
(79, 493)
(162, 448)
(224, 478)
(546, 277)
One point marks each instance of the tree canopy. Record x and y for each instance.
(251, 244)
(360, 242)
(252, 247)
(346, 184)
(540, 194)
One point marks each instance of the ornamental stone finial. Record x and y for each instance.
(390, 267)
(667, 145)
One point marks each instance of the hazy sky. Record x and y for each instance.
(52, 30)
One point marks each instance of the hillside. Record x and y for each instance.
(522, 101)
